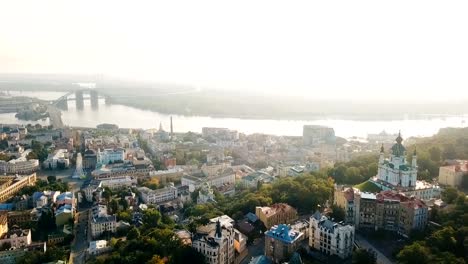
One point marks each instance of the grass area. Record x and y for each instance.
(368, 186)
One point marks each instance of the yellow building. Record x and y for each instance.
(276, 214)
(3, 224)
(10, 185)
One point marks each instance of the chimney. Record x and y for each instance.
(172, 129)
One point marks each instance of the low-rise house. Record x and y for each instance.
(98, 247)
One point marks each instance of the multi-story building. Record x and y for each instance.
(220, 133)
(281, 242)
(330, 237)
(110, 156)
(103, 223)
(276, 214)
(89, 159)
(397, 174)
(160, 195)
(19, 166)
(20, 217)
(58, 159)
(224, 178)
(3, 224)
(387, 210)
(314, 135)
(119, 182)
(216, 243)
(10, 185)
(13, 256)
(17, 238)
(453, 174)
(98, 247)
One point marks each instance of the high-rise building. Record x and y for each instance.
(313, 135)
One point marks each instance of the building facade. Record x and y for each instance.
(387, 210)
(281, 242)
(10, 185)
(331, 238)
(276, 214)
(216, 243)
(453, 174)
(158, 196)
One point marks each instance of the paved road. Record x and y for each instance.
(80, 244)
(381, 258)
(256, 249)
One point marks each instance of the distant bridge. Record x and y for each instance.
(79, 98)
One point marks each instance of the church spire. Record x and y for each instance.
(382, 149)
(399, 139)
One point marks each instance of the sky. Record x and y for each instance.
(353, 50)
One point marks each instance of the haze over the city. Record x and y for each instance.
(359, 50)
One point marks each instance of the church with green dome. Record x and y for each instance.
(396, 170)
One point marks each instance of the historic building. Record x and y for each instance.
(453, 173)
(216, 242)
(388, 210)
(281, 241)
(329, 237)
(276, 214)
(397, 174)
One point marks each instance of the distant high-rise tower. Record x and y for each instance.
(172, 129)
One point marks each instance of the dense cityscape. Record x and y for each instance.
(113, 195)
(233, 132)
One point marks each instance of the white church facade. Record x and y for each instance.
(397, 174)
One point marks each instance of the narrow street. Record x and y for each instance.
(362, 242)
(80, 243)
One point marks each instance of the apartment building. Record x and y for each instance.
(281, 241)
(158, 196)
(329, 237)
(276, 214)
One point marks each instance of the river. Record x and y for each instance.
(129, 117)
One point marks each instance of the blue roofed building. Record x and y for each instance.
(281, 241)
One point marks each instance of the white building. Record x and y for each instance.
(19, 166)
(205, 194)
(329, 237)
(58, 159)
(226, 177)
(397, 174)
(216, 243)
(98, 247)
(110, 156)
(102, 222)
(119, 182)
(160, 195)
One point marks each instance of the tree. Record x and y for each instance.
(151, 218)
(51, 179)
(155, 260)
(449, 195)
(363, 256)
(32, 155)
(338, 213)
(133, 233)
(113, 206)
(435, 153)
(414, 253)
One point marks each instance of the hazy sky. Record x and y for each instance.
(323, 49)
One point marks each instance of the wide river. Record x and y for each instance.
(129, 117)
